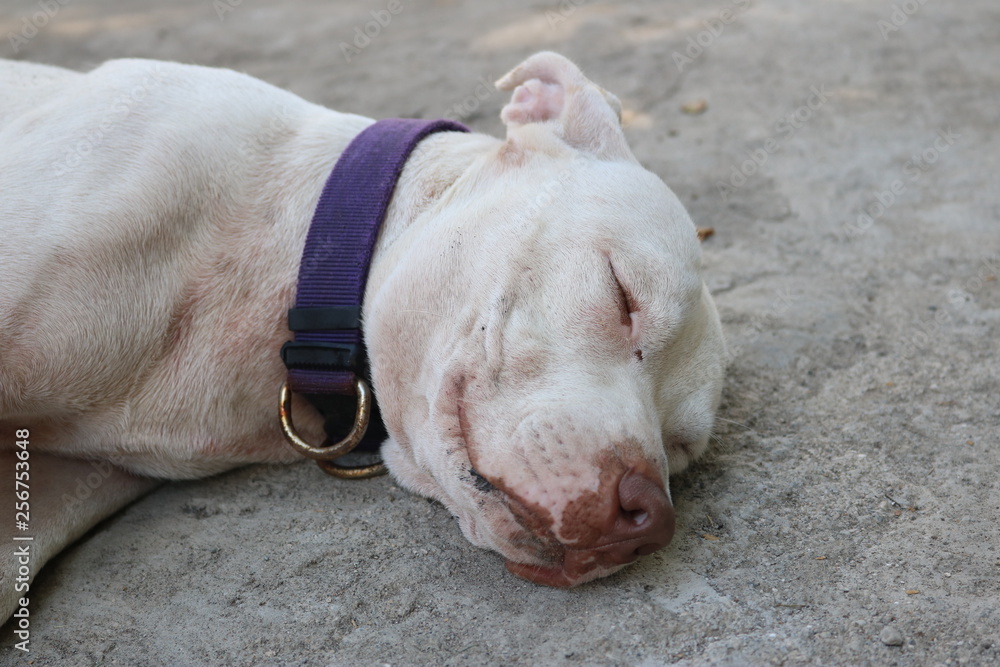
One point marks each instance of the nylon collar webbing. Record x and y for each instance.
(328, 352)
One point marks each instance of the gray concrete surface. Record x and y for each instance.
(851, 501)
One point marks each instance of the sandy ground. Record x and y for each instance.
(851, 501)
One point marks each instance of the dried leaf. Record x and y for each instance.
(695, 107)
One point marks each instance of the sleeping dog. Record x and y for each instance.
(541, 343)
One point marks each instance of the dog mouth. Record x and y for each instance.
(481, 484)
(602, 535)
(532, 551)
(520, 534)
(577, 567)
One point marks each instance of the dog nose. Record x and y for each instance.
(632, 517)
(644, 522)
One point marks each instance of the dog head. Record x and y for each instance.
(543, 347)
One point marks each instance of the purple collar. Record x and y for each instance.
(327, 358)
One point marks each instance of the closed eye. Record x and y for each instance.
(627, 307)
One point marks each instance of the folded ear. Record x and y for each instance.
(550, 90)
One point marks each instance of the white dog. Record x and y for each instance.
(543, 347)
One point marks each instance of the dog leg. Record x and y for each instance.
(66, 498)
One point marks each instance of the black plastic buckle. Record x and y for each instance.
(332, 318)
(320, 356)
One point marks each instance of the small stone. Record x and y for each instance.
(890, 636)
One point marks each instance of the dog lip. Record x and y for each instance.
(539, 574)
(481, 484)
(611, 549)
(476, 479)
(565, 575)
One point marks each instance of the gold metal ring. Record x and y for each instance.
(352, 472)
(324, 455)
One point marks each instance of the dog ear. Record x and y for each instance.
(549, 90)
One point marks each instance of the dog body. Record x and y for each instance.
(153, 218)
(543, 348)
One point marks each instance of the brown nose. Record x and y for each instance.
(645, 520)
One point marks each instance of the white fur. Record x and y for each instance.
(152, 217)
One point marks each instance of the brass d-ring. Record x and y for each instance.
(324, 455)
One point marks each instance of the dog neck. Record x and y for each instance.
(434, 166)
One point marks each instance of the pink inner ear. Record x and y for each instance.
(534, 102)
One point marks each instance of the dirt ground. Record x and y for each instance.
(847, 159)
